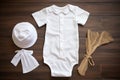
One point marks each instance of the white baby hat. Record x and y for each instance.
(24, 35)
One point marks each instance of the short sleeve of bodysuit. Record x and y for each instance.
(40, 17)
(81, 15)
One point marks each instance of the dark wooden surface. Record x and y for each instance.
(105, 15)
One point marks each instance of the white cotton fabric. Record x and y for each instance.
(28, 61)
(61, 45)
(24, 35)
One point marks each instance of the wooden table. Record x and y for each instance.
(105, 15)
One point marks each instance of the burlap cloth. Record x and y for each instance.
(94, 40)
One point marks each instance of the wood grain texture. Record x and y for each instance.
(105, 15)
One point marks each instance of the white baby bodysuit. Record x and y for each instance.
(61, 45)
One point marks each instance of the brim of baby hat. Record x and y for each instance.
(30, 41)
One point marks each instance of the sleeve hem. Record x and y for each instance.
(83, 18)
(36, 18)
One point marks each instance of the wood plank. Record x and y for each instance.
(111, 71)
(27, 9)
(29, 76)
(63, 1)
